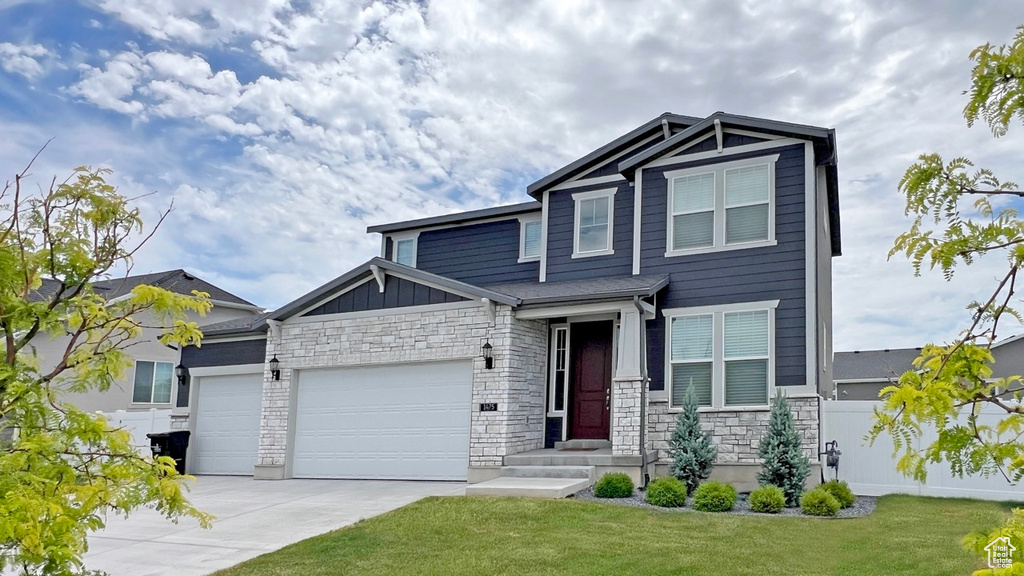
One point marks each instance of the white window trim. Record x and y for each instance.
(152, 384)
(553, 365)
(522, 239)
(590, 195)
(396, 238)
(718, 351)
(719, 170)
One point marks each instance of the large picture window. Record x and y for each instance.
(725, 354)
(152, 382)
(721, 207)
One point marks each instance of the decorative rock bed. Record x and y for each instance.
(863, 506)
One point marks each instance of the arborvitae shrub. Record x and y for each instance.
(783, 462)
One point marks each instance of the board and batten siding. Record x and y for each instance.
(745, 275)
(479, 254)
(398, 293)
(213, 353)
(561, 221)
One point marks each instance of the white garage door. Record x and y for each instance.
(409, 421)
(226, 438)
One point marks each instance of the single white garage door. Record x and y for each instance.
(407, 421)
(227, 435)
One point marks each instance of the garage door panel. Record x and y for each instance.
(226, 438)
(394, 422)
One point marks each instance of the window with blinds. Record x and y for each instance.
(721, 207)
(724, 354)
(529, 240)
(405, 251)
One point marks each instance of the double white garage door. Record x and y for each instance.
(407, 421)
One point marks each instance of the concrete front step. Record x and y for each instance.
(588, 472)
(602, 457)
(583, 444)
(529, 487)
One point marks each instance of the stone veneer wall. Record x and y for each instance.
(516, 383)
(736, 433)
(626, 416)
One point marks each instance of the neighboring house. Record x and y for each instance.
(861, 374)
(150, 381)
(687, 252)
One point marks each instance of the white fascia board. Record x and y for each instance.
(589, 182)
(731, 151)
(571, 310)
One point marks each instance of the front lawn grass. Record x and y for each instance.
(483, 536)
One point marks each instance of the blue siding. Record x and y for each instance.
(479, 254)
(754, 274)
(552, 432)
(561, 217)
(398, 293)
(220, 354)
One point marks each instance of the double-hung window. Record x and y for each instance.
(724, 353)
(529, 240)
(404, 250)
(592, 234)
(152, 382)
(722, 206)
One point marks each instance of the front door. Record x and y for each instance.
(591, 350)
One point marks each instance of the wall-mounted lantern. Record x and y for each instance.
(182, 373)
(275, 368)
(488, 352)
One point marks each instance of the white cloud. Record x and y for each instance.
(353, 113)
(24, 59)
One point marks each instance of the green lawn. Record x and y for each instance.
(482, 536)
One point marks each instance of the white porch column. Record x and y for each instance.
(626, 385)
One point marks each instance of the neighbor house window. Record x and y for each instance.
(152, 382)
(529, 240)
(721, 207)
(404, 251)
(593, 223)
(724, 353)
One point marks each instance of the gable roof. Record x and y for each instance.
(237, 326)
(587, 290)
(457, 218)
(610, 149)
(177, 281)
(879, 365)
(357, 273)
(823, 140)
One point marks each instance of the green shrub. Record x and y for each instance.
(819, 502)
(667, 492)
(614, 485)
(767, 499)
(840, 491)
(690, 448)
(714, 496)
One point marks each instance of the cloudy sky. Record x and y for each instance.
(282, 129)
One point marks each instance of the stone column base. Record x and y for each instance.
(626, 416)
(268, 472)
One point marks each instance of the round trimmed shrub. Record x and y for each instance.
(819, 502)
(768, 499)
(840, 491)
(667, 492)
(614, 485)
(714, 496)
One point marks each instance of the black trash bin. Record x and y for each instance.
(173, 444)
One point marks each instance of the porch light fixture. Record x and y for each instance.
(275, 368)
(182, 373)
(488, 352)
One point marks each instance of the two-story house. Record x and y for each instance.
(563, 330)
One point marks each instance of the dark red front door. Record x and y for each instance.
(591, 351)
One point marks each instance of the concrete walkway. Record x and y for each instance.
(253, 518)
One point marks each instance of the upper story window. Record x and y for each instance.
(152, 382)
(592, 230)
(404, 250)
(529, 240)
(725, 353)
(721, 207)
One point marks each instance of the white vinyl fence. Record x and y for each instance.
(871, 470)
(141, 423)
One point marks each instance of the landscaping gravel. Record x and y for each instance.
(862, 507)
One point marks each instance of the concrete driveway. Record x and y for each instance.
(253, 518)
